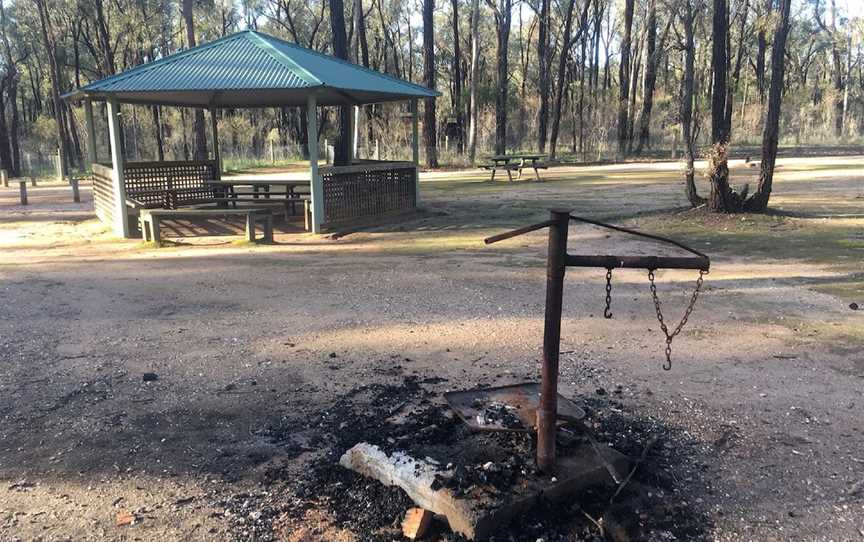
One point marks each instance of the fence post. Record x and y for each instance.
(33, 181)
(22, 185)
(76, 196)
(4, 177)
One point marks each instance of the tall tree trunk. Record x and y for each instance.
(561, 78)
(472, 89)
(650, 77)
(5, 150)
(759, 200)
(732, 88)
(66, 157)
(543, 68)
(11, 84)
(761, 48)
(342, 146)
(457, 82)
(429, 117)
(721, 198)
(687, 92)
(157, 130)
(502, 19)
(624, 80)
(198, 118)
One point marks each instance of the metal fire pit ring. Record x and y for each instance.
(507, 408)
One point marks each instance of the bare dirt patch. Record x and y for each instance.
(255, 348)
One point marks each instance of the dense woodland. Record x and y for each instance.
(579, 79)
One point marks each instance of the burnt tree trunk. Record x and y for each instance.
(429, 116)
(759, 200)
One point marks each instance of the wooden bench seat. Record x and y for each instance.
(150, 219)
(488, 167)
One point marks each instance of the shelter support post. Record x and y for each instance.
(415, 133)
(91, 132)
(547, 413)
(415, 148)
(317, 186)
(355, 138)
(214, 126)
(121, 220)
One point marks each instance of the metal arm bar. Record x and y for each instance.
(637, 262)
(701, 261)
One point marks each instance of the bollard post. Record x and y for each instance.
(4, 177)
(76, 196)
(33, 181)
(22, 185)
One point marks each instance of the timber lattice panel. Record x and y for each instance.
(368, 193)
(169, 183)
(104, 200)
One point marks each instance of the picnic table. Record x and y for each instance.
(518, 162)
(233, 191)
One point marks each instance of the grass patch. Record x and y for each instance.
(768, 236)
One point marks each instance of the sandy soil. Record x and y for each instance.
(766, 384)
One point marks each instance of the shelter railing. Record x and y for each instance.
(367, 191)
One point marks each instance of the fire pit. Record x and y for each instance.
(479, 487)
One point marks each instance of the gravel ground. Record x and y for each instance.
(270, 360)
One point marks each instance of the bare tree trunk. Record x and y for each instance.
(429, 117)
(687, 89)
(721, 198)
(561, 79)
(11, 84)
(472, 90)
(624, 80)
(759, 200)
(502, 19)
(543, 67)
(157, 130)
(54, 73)
(561, 86)
(198, 117)
(457, 82)
(342, 146)
(761, 48)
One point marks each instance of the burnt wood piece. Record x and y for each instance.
(150, 219)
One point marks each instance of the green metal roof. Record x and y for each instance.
(250, 69)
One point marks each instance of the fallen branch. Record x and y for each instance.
(651, 442)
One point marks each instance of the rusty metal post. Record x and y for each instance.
(547, 414)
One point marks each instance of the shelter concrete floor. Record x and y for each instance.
(767, 382)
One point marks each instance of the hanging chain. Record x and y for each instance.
(669, 336)
(607, 312)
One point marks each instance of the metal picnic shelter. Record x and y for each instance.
(251, 69)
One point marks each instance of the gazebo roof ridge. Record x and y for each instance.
(336, 59)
